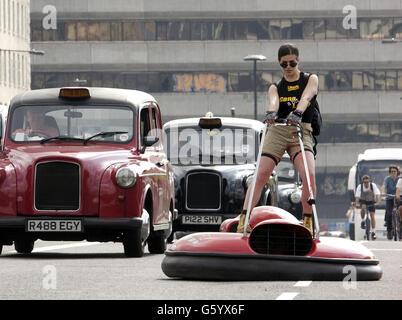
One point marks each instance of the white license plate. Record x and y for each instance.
(187, 219)
(42, 225)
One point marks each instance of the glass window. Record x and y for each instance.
(319, 29)
(386, 27)
(357, 80)
(330, 30)
(33, 123)
(207, 31)
(296, 31)
(262, 30)
(82, 31)
(368, 80)
(71, 31)
(104, 31)
(379, 80)
(391, 80)
(286, 29)
(238, 30)
(195, 30)
(399, 80)
(161, 29)
(116, 31)
(150, 30)
(396, 30)
(274, 29)
(36, 31)
(308, 29)
(93, 32)
(219, 30)
(133, 31)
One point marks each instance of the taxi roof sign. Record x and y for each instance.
(210, 122)
(74, 93)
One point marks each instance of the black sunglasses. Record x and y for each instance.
(292, 63)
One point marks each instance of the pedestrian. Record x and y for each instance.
(388, 190)
(350, 214)
(368, 196)
(293, 99)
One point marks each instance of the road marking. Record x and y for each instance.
(302, 283)
(287, 296)
(62, 246)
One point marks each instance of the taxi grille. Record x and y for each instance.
(57, 186)
(203, 191)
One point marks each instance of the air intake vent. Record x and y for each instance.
(57, 186)
(282, 239)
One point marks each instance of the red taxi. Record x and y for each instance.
(85, 164)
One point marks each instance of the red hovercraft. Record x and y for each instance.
(278, 247)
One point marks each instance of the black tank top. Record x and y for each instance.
(290, 94)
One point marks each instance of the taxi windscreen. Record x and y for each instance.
(113, 124)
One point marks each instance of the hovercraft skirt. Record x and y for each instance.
(244, 267)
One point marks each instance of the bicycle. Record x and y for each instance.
(396, 222)
(367, 227)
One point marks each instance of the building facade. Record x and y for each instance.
(15, 65)
(189, 55)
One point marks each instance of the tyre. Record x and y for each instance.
(1, 248)
(24, 246)
(133, 246)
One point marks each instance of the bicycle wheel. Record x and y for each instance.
(395, 224)
(368, 225)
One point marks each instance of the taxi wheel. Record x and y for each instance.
(157, 242)
(133, 246)
(24, 246)
(1, 248)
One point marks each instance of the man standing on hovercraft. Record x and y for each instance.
(293, 99)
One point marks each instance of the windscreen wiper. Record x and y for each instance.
(60, 138)
(104, 134)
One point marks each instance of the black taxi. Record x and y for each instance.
(213, 159)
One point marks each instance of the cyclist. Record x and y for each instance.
(388, 189)
(398, 195)
(368, 195)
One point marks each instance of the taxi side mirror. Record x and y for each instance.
(149, 141)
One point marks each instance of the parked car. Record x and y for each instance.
(85, 164)
(213, 161)
(289, 187)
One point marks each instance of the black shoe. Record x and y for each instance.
(363, 225)
(373, 236)
(389, 234)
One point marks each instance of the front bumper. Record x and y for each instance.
(93, 228)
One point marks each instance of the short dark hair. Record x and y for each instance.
(286, 49)
(393, 166)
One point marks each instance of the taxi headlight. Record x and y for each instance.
(126, 177)
(295, 197)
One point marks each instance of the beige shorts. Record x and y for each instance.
(284, 138)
